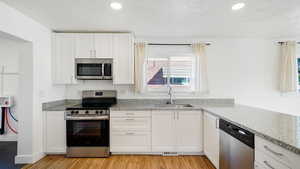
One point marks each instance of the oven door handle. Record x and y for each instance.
(87, 118)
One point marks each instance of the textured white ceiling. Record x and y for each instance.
(206, 18)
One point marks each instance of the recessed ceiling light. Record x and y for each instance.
(238, 6)
(116, 5)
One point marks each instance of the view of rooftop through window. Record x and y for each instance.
(174, 71)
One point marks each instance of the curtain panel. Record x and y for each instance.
(288, 67)
(200, 52)
(139, 58)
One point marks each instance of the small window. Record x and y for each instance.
(170, 66)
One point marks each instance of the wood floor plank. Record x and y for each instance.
(123, 162)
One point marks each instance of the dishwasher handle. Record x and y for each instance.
(237, 132)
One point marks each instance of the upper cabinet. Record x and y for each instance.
(94, 45)
(103, 45)
(123, 52)
(85, 45)
(68, 46)
(63, 58)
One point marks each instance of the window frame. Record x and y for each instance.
(164, 88)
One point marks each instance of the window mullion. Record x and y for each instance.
(168, 74)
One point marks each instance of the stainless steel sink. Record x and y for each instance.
(175, 105)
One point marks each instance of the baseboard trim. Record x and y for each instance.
(155, 153)
(29, 158)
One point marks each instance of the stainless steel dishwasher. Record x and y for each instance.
(236, 147)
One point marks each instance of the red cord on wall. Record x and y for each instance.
(7, 122)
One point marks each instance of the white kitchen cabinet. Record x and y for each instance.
(85, 47)
(188, 127)
(94, 45)
(130, 131)
(174, 131)
(63, 58)
(271, 155)
(55, 132)
(163, 131)
(130, 142)
(123, 54)
(211, 138)
(103, 45)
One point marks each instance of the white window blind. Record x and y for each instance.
(170, 66)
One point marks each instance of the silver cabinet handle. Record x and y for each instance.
(272, 151)
(268, 165)
(177, 115)
(174, 115)
(129, 133)
(91, 53)
(129, 113)
(129, 119)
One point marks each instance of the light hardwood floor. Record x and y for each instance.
(123, 162)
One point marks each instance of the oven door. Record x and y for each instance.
(85, 71)
(87, 133)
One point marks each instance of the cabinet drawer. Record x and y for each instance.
(121, 124)
(130, 114)
(268, 162)
(130, 138)
(278, 153)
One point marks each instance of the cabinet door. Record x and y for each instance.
(211, 138)
(188, 130)
(163, 134)
(130, 141)
(123, 66)
(55, 135)
(85, 45)
(103, 45)
(63, 51)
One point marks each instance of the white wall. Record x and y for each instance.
(35, 81)
(245, 69)
(9, 59)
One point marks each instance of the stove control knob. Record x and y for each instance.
(101, 112)
(97, 112)
(72, 112)
(86, 112)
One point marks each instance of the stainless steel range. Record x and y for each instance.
(88, 124)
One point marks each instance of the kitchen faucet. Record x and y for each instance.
(170, 93)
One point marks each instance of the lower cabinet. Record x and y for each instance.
(177, 131)
(130, 131)
(269, 155)
(211, 138)
(130, 141)
(55, 132)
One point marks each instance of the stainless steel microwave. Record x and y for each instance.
(93, 69)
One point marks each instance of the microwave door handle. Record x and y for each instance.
(103, 70)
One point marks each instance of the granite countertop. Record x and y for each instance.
(281, 129)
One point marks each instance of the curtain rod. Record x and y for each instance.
(284, 42)
(175, 44)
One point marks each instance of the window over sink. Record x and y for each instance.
(170, 66)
